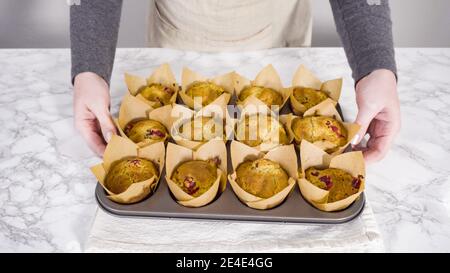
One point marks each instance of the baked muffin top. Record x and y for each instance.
(127, 171)
(202, 129)
(339, 183)
(262, 177)
(208, 91)
(195, 177)
(140, 130)
(158, 93)
(256, 129)
(267, 95)
(320, 128)
(309, 97)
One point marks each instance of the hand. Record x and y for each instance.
(91, 111)
(378, 113)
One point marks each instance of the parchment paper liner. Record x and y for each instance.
(118, 148)
(267, 145)
(305, 78)
(312, 156)
(284, 155)
(225, 81)
(162, 75)
(267, 77)
(186, 114)
(133, 108)
(177, 154)
(326, 108)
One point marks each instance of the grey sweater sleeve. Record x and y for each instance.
(94, 27)
(365, 29)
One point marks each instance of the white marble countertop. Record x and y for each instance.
(47, 191)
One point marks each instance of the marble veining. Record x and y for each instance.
(47, 192)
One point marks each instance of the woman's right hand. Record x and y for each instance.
(92, 118)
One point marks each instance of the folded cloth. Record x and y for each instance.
(122, 234)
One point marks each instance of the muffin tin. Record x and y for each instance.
(227, 206)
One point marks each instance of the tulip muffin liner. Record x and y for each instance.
(225, 81)
(305, 78)
(267, 77)
(312, 156)
(284, 155)
(176, 154)
(267, 145)
(162, 75)
(327, 109)
(119, 148)
(133, 108)
(183, 115)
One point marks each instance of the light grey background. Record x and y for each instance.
(45, 23)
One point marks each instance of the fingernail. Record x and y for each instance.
(108, 137)
(355, 139)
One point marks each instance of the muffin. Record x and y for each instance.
(127, 171)
(339, 183)
(262, 177)
(263, 130)
(309, 97)
(320, 128)
(267, 95)
(195, 177)
(157, 93)
(146, 129)
(208, 91)
(201, 129)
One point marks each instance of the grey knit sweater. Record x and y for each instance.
(364, 27)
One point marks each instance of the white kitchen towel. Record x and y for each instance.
(118, 234)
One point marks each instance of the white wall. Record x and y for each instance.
(44, 23)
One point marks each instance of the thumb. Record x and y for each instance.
(107, 125)
(364, 118)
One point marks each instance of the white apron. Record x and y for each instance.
(229, 25)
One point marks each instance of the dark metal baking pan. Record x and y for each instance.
(228, 207)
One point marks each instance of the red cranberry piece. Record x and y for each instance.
(127, 128)
(327, 180)
(154, 132)
(135, 162)
(190, 185)
(216, 161)
(168, 90)
(336, 130)
(356, 182)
